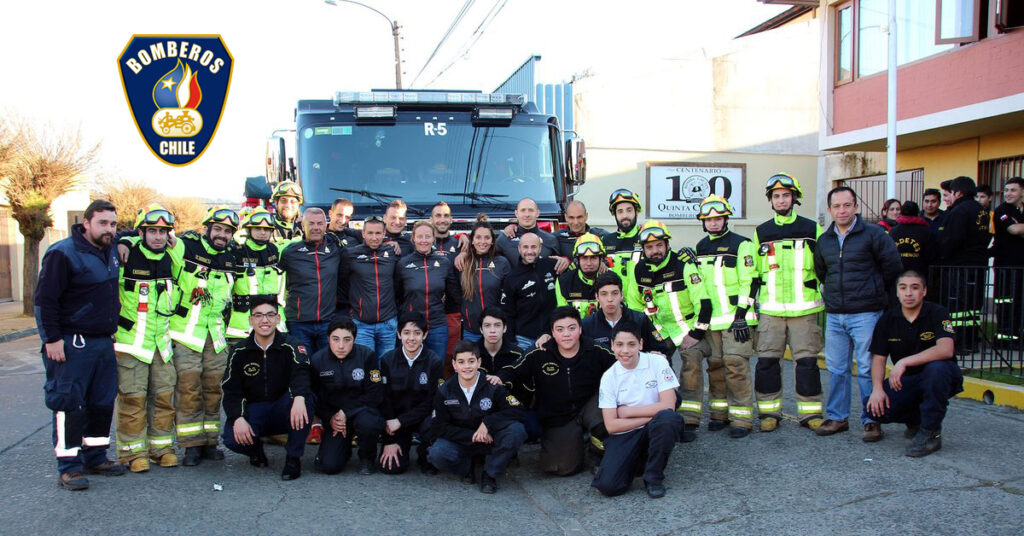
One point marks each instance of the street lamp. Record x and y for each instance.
(394, 32)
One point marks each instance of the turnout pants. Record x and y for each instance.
(691, 377)
(403, 438)
(81, 393)
(805, 342)
(457, 458)
(267, 419)
(198, 403)
(645, 450)
(336, 449)
(145, 411)
(562, 447)
(925, 395)
(739, 390)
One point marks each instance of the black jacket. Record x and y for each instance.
(567, 240)
(457, 420)
(509, 247)
(369, 275)
(409, 390)
(77, 290)
(528, 297)
(859, 275)
(347, 236)
(426, 283)
(963, 236)
(349, 384)
(916, 243)
(596, 327)
(561, 386)
(488, 274)
(508, 355)
(1007, 249)
(257, 375)
(311, 279)
(403, 239)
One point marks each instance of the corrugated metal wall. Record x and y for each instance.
(554, 99)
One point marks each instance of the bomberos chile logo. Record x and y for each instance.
(176, 87)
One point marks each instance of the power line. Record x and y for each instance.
(477, 34)
(455, 22)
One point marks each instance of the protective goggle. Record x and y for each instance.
(289, 190)
(225, 216)
(780, 180)
(373, 219)
(589, 248)
(260, 219)
(652, 234)
(623, 195)
(713, 209)
(155, 218)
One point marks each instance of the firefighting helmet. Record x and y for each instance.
(588, 244)
(622, 195)
(783, 181)
(287, 188)
(653, 231)
(714, 206)
(154, 215)
(259, 217)
(223, 215)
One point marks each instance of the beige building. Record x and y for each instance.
(709, 121)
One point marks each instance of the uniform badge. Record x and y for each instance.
(358, 374)
(301, 349)
(948, 326)
(512, 401)
(694, 279)
(485, 403)
(423, 378)
(549, 368)
(668, 374)
(440, 382)
(176, 87)
(748, 261)
(927, 336)
(251, 369)
(651, 384)
(375, 376)
(763, 250)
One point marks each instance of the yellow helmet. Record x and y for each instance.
(783, 181)
(221, 214)
(287, 188)
(588, 244)
(714, 206)
(259, 217)
(155, 215)
(623, 195)
(653, 231)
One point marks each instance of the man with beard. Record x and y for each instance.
(338, 220)
(77, 307)
(286, 199)
(450, 245)
(204, 269)
(256, 272)
(622, 245)
(146, 377)
(790, 303)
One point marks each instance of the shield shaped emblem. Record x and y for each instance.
(176, 87)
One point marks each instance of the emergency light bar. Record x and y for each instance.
(493, 114)
(375, 112)
(426, 97)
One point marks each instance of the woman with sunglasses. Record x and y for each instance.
(481, 278)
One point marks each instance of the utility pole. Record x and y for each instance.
(394, 32)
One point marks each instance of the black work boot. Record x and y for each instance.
(924, 443)
(911, 431)
(688, 433)
(259, 458)
(292, 468)
(487, 483)
(211, 452)
(715, 425)
(192, 457)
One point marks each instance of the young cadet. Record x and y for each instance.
(726, 262)
(266, 391)
(287, 198)
(528, 292)
(145, 374)
(622, 244)
(256, 272)
(473, 417)
(565, 372)
(497, 353)
(576, 287)
(789, 305)
(411, 373)
(918, 337)
(611, 310)
(349, 390)
(204, 269)
(637, 400)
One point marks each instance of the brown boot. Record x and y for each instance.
(830, 427)
(73, 480)
(872, 432)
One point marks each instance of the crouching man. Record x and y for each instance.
(918, 338)
(266, 391)
(637, 399)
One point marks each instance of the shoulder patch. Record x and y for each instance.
(375, 376)
(695, 279)
(748, 261)
(512, 401)
(301, 349)
(485, 403)
(948, 326)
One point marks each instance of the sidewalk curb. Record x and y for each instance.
(15, 335)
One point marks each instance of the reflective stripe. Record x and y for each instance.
(799, 304)
(728, 319)
(238, 333)
(770, 405)
(792, 307)
(808, 407)
(701, 325)
(60, 449)
(673, 300)
(718, 403)
(131, 447)
(160, 441)
(723, 295)
(597, 443)
(741, 411)
(96, 441)
(690, 405)
(211, 426)
(189, 429)
(136, 351)
(188, 340)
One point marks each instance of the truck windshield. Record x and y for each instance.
(418, 160)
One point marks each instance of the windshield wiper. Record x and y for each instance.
(477, 196)
(382, 198)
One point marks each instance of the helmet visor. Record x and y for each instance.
(589, 248)
(157, 218)
(652, 234)
(714, 209)
(780, 180)
(260, 219)
(224, 216)
(623, 195)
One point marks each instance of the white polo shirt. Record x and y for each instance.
(640, 386)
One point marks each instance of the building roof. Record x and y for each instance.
(781, 19)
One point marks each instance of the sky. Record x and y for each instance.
(60, 62)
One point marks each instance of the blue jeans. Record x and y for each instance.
(379, 337)
(267, 419)
(525, 343)
(437, 340)
(848, 338)
(470, 336)
(457, 458)
(312, 335)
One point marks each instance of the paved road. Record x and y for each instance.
(786, 482)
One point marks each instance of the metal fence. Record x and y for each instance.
(986, 306)
(995, 173)
(871, 191)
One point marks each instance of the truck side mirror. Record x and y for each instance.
(276, 159)
(576, 161)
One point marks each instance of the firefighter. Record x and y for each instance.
(204, 269)
(622, 245)
(576, 287)
(256, 273)
(287, 198)
(789, 305)
(146, 377)
(726, 262)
